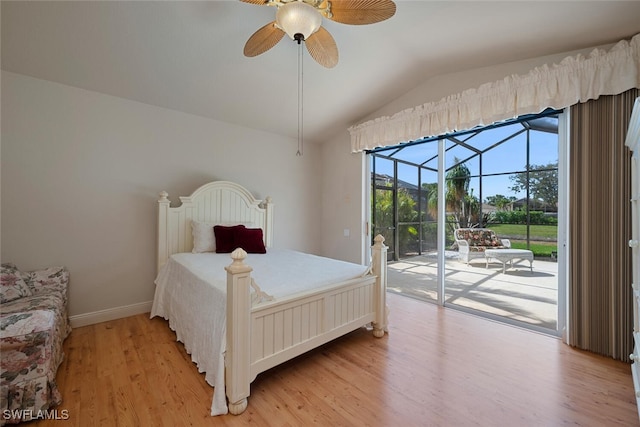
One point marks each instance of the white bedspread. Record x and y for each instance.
(191, 295)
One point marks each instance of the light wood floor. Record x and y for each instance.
(437, 367)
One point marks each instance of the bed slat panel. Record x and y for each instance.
(293, 328)
(304, 322)
(278, 330)
(287, 331)
(315, 319)
(257, 339)
(268, 343)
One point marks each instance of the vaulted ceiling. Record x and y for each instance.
(187, 56)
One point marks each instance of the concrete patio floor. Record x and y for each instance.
(518, 294)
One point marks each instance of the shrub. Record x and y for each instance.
(520, 217)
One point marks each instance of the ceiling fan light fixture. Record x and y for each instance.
(298, 17)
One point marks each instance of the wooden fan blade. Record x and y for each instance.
(322, 47)
(263, 40)
(258, 2)
(360, 12)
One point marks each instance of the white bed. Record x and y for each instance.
(240, 314)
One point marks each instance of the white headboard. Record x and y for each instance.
(220, 202)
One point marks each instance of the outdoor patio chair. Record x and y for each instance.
(472, 242)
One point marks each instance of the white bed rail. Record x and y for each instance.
(279, 332)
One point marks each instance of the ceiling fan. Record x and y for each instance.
(301, 20)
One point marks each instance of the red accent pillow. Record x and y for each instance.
(250, 239)
(226, 237)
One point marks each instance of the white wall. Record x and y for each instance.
(80, 174)
(342, 204)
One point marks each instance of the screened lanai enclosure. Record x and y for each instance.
(502, 177)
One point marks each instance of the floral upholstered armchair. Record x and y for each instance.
(472, 242)
(33, 325)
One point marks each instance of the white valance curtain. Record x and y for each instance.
(575, 79)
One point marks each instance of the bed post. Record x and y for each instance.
(237, 358)
(379, 268)
(163, 244)
(267, 205)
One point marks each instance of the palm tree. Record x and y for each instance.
(459, 202)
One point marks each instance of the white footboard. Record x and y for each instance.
(263, 336)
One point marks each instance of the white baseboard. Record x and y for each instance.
(109, 314)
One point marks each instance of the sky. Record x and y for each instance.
(509, 156)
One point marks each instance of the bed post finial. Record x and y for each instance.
(163, 196)
(238, 266)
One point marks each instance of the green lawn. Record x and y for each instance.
(539, 249)
(540, 231)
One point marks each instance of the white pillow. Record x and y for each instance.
(204, 240)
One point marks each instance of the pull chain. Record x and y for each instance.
(300, 101)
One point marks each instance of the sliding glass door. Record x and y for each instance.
(404, 210)
(500, 180)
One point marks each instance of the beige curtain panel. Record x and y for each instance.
(574, 80)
